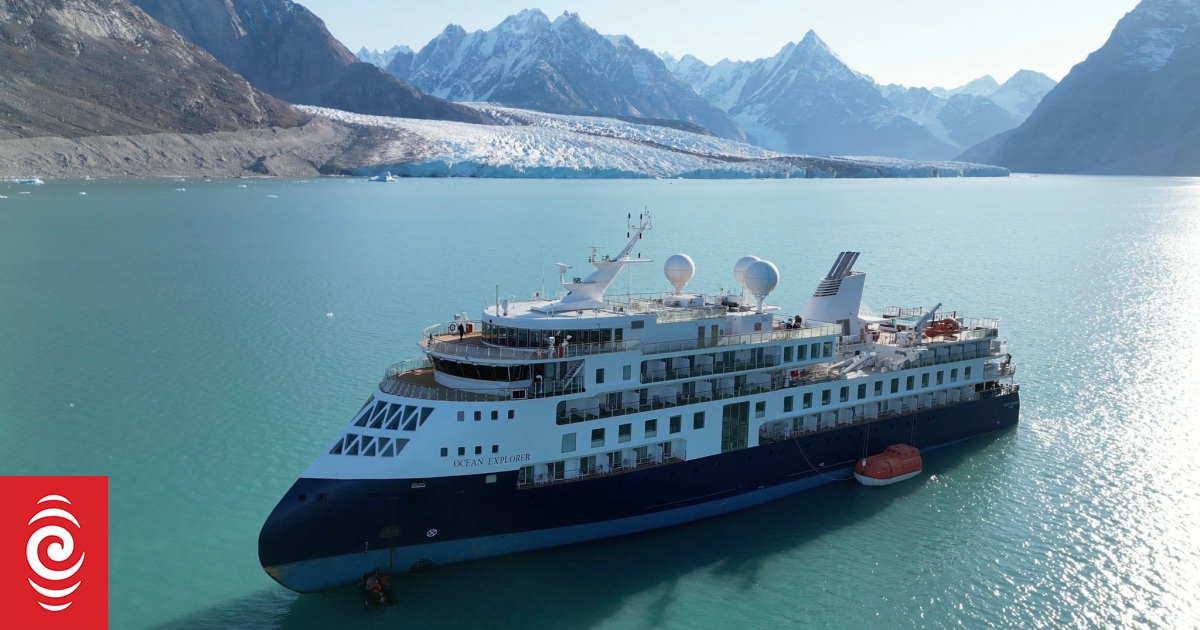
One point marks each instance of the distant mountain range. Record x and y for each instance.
(806, 100)
(560, 66)
(104, 68)
(1131, 107)
(280, 47)
(803, 100)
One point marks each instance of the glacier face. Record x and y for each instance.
(538, 145)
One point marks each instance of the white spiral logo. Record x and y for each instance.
(59, 551)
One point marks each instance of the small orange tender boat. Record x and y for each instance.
(896, 463)
(944, 328)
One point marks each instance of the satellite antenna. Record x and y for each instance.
(761, 278)
(679, 270)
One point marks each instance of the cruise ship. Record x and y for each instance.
(557, 420)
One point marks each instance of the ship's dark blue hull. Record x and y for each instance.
(344, 528)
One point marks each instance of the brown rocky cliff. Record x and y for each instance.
(103, 67)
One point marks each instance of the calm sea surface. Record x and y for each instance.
(176, 337)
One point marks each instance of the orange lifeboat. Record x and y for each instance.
(944, 328)
(896, 463)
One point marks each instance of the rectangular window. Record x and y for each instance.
(462, 450)
(597, 437)
(925, 380)
(862, 391)
(495, 414)
(511, 414)
(587, 465)
(816, 351)
(826, 396)
(651, 428)
(479, 415)
(844, 394)
(967, 373)
(627, 372)
(808, 400)
(637, 324)
(525, 475)
(462, 415)
(954, 375)
(599, 375)
(556, 470)
(895, 385)
(909, 382)
(479, 450)
(940, 376)
(625, 432)
(878, 388)
(495, 448)
(615, 460)
(788, 403)
(568, 443)
(445, 451)
(676, 424)
(787, 354)
(760, 409)
(827, 349)
(698, 420)
(801, 353)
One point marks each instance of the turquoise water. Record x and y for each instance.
(176, 336)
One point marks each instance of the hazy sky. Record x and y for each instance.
(916, 43)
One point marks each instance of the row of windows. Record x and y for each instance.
(625, 431)
(462, 450)
(803, 352)
(392, 416)
(368, 446)
(526, 338)
(462, 415)
(861, 390)
(500, 373)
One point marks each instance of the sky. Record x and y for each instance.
(915, 43)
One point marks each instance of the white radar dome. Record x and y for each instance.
(679, 270)
(739, 268)
(761, 278)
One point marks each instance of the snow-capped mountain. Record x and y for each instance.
(283, 49)
(557, 66)
(806, 100)
(974, 112)
(381, 58)
(1129, 108)
(982, 86)
(1022, 92)
(526, 143)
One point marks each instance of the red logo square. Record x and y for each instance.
(53, 553)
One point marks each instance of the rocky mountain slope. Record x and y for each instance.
(283, 49)
(1129, 108)
(561, 66)
(74, 68)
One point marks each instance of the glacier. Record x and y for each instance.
(530, 144)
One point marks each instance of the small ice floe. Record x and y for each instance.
(24, 192)
(72, 404)
(3, 196)
(241, 185)
(273, 196)
(328, 314)
(83, 193)
(180, 189)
